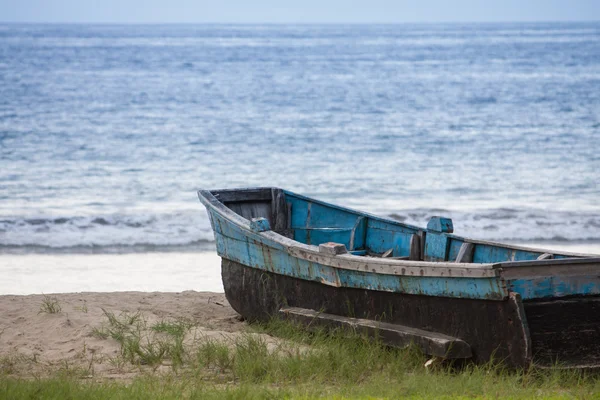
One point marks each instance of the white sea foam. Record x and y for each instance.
(514, 225)
(193, 229)
(177, 229)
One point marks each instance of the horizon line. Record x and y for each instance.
(299, 23)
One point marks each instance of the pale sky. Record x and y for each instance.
(297, 11)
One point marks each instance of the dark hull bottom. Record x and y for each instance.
(554, 331)
(565, 331)
(494, 329)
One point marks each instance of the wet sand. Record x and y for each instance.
(167, 271)
(142, 272)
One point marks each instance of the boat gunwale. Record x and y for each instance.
(349, 261)
(553, 267)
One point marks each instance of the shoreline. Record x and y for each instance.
(150, 271)
(589, 246)
(143, 272)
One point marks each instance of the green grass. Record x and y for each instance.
(146, 345)
(298, 364)
(50, 305)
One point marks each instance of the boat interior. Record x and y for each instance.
(314, 222)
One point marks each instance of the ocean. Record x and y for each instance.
(108, 131)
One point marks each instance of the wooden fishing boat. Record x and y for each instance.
(314, 262)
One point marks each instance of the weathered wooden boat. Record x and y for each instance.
(283, 253)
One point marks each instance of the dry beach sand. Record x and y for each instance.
(35, 343)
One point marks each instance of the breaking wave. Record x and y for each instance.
(110, 231)
(189, 231)
(505, 224)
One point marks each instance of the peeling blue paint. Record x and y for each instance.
(314, 222)
(260, 225)
(320, 216)
(487, 253)
(555, 286)
(379, 241)
(260, 255)
(436, 246)
(316, 236)
(440, 224)
(280, 262)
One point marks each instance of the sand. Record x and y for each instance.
(141, 272)
(35, 343)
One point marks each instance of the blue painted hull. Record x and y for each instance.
(325, 245)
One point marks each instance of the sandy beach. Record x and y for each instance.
(34, 342)
(151, 288)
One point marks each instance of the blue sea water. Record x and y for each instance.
(106, 131)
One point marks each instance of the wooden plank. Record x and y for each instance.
(354, 240)
(322, 216)
(278, 210)
(392, 226)
(422, 236)
(393, 266)
(433, 343)
(235, 195)
(465, 254)
(251, 209)
(288, 232)
(496, 254)
(565, 332)
(381, 237)
(454, 248)
(415, 248)
(526, 249)
(549, 286)
(550, 267)
(332, 248)
(436, 246)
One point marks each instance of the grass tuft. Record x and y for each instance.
(144, 345)
(173, 328)
(50, 305)
(215, 357)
